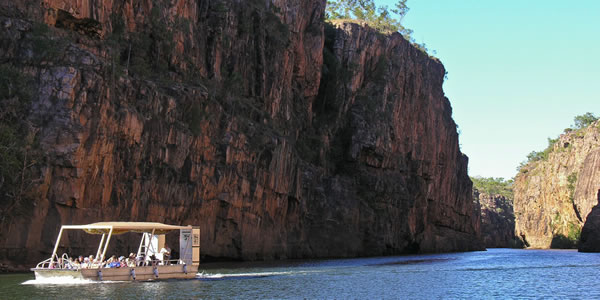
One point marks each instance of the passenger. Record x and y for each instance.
(113, 262)
(153, 260)
(122, 262)
(166, 254)
(139, 261)
(69, 263)
(76, 264)
(92, 263)
(130, 260)
(86, 263)
(80, 262)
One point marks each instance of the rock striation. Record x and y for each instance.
(554, 196)
(280, 138)
(497, 221)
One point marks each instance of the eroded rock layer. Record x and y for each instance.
(244, 118)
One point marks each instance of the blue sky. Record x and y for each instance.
(518, 71)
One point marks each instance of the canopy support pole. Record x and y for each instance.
(106, 244)
(100, 246)
(56, 246)
(149, 245)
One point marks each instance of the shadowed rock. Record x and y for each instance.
(590, 234)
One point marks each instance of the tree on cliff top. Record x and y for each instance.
(580, 122)
(493, 186)
(584, 120)
(378, 17)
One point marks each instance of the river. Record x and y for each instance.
(496, 273)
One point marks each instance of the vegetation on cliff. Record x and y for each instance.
(381, 18)
(18, 150)
(493, 186)
(556, 188)
(579, 122)
(495, 196)
(378, 17)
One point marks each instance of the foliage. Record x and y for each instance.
(542, 155)
(580, 122)
(574, 232)
(44, 45)
(378, 17)
(494, 186)
(584, 120)
(572, 180)
(16, 139)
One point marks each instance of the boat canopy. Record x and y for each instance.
(123, 227)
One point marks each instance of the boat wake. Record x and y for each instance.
(62, 281)
(227, 276)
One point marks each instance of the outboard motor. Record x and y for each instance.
(184, 268)
(132, 273)
(155, 271)
(100, 275)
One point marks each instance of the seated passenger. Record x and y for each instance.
(76, 264)
(93, 262)
(122, 262)
(130, 260)
(113, 262)
(86, 263)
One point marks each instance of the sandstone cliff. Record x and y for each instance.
(554, 196)
(590, 233)
(246, 118)
(497, 221)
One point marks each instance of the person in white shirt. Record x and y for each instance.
(166, 254)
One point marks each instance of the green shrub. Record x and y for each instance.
(494, 186)
(571, 183)
(378, 17)
(574, 233)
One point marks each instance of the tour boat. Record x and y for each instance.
(140, 268)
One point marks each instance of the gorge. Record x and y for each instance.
(280, 135)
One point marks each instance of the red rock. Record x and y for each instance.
(271, 160)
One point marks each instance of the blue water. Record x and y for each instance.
(492, 274)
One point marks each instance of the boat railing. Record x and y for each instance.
(66, 263)
(55, 263)
(44, 264)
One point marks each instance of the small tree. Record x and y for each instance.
(379, 17)
(584, 120)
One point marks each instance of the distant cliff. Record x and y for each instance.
(497, 221)
(555, 194)
(279, 138)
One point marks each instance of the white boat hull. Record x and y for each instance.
(120, 274)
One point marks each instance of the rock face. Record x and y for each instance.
(590, 234)
(553, 197)
(497, 221)
(279, 139)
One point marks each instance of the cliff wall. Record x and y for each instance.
(279, 139)
(554, 196)
(497, 221)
